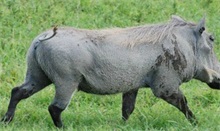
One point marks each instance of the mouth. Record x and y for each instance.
(214, 85)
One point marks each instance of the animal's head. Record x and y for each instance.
(208, 67)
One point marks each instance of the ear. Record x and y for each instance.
(200, 26)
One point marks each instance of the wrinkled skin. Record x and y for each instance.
(98, 62)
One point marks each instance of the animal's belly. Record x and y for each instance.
(111, 84)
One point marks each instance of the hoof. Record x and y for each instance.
(7, 118)
(124, 118)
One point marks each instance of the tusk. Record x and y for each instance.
(212, 75)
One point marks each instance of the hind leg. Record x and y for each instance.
(128, 103)
(32, 84)
(62, 98)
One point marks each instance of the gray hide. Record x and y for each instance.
(110, 61)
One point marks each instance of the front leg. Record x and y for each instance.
(128, 103)
(166, 87)
(179, 101)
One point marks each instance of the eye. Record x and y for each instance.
(211, 38)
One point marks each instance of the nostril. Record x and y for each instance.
(32, 84)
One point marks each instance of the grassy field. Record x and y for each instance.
(22, 20)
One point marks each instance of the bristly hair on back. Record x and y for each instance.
(154, 33)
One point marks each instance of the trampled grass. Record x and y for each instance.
(22, 20)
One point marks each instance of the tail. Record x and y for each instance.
(49, 37)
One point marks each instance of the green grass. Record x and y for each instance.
(22, 20)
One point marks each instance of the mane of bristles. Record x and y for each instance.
(152, 33)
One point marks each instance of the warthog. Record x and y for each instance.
(110, 61)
